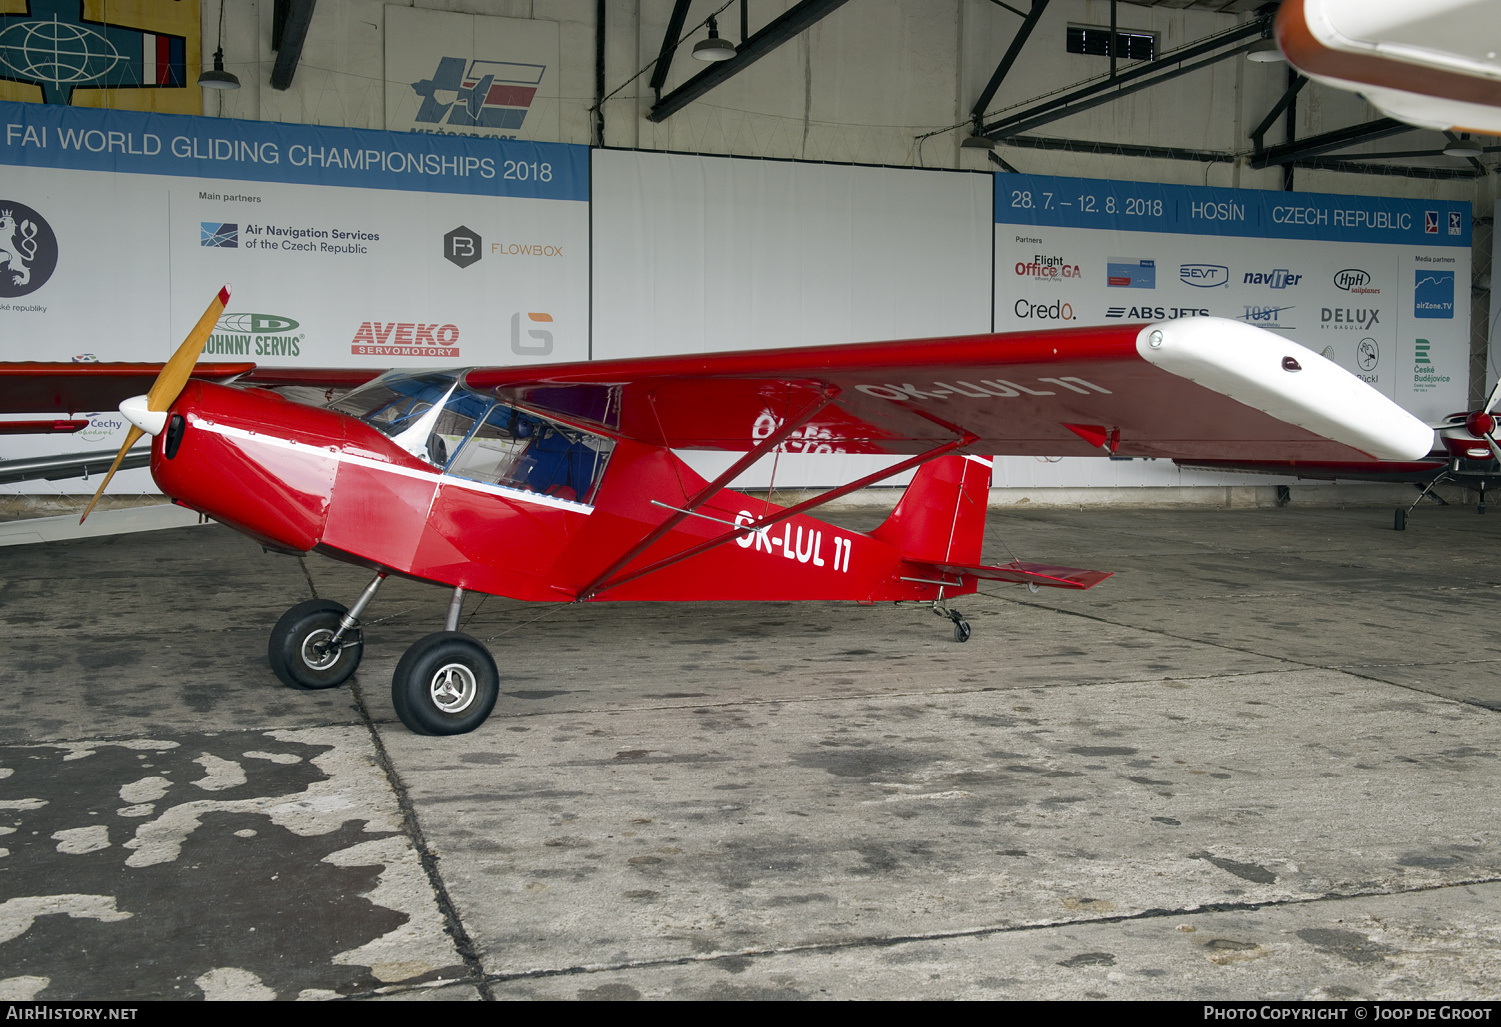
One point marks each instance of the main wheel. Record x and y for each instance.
(445, 684)
(299, 649)
(961, 630)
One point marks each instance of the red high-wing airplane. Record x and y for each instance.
(560, 482)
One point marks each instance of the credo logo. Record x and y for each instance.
(1055, 311)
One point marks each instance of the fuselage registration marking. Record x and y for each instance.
(761, 538)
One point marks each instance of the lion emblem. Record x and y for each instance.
(17, 246)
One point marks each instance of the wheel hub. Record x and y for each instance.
(318, 650)
(453, 688)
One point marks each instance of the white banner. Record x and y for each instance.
(343, 247)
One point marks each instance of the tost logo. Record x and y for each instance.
(28, 250)
(1204, 276)
(1055, 311)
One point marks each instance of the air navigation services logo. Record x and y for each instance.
(221, 235)
(28, 250)
(53, 49)
(484, 94)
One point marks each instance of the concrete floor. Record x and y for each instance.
(1261, 761)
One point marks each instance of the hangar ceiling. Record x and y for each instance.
(1272, 142)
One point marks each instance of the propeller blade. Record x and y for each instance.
(169, 382)
(175, 374)
(131, 436)
(1490, 404)
(1490, 440)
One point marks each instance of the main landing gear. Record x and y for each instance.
(445, 684)
(961, 626)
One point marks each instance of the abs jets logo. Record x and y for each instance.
(1204, 276)
(28, 250)
(1156, 313)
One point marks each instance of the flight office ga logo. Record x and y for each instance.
(1204, 276)
(53, 46)
(220, 235)
(28, 250)
(1433, 295)
(478, 94)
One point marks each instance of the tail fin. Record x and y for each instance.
(941, 516)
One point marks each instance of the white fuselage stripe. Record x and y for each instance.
(334, 453)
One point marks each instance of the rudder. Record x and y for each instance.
(941, 516)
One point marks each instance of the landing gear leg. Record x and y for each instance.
(1481, 507)
(961, 626)
(317, 644)
(446, 683)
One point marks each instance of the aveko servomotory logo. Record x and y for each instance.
(28, 250)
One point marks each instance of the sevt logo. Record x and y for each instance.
(1204, 276)
(28, 250)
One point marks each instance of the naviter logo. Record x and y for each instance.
(28, 250)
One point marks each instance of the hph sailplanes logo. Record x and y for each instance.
(483, 94)
(54, 47)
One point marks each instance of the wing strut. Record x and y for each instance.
(792, 511)
(709, 491)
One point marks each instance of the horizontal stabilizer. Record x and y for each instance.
(1028, 573)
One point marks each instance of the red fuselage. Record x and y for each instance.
(300, 478)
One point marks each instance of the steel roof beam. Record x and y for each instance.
(669, 46)
(1395, 170)
(290, 21)
(776, 32)
(1017, 42)
(1302, 149)
(1287, 98)
(1122, 149)
(1149, 74)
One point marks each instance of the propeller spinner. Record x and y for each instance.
(148, 413)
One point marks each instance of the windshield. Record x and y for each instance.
(469, 435)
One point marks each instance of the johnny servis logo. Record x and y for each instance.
(255, 335)
(28, 250)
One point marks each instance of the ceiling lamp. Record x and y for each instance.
(1463, 147)
(978, 142)
(219, 78)
(1264, 51)
(713, 48)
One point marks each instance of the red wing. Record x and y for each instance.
(37, 387)
(1207, 389)
(1025, 573)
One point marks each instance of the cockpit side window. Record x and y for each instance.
(401, 405)
(524, 451)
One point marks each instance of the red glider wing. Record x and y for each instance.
(1202, 388)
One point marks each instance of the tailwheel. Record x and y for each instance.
(961, 626)
(445, 684)
(306, 649)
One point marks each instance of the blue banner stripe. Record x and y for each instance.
(1046, 201)
(77, 138)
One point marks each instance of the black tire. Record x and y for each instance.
(445, 684)
(293, 649)
(961, 630)
(1399, 522)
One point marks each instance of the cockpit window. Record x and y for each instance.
(428, 415)
(524, 451)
